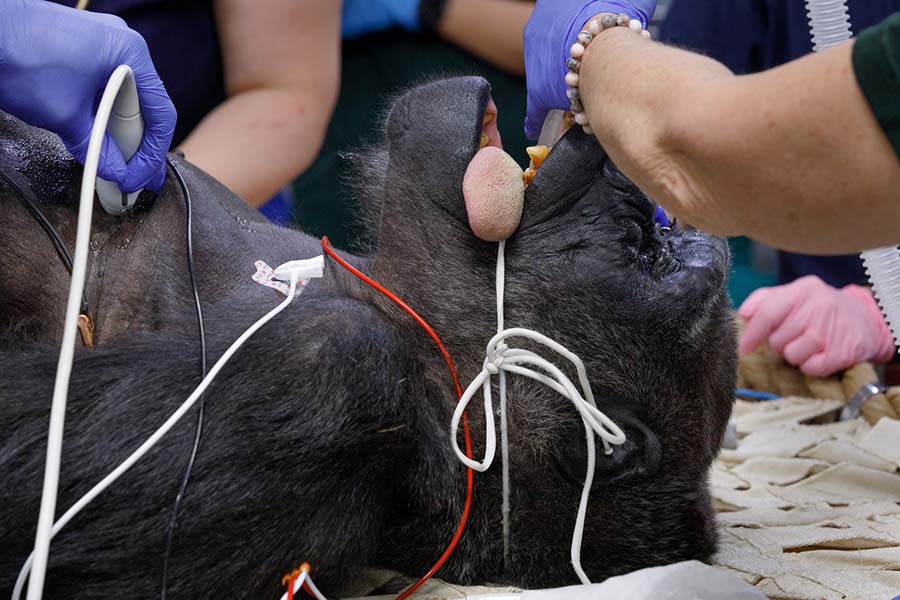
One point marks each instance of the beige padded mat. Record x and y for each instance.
(806, 511)
(810, 511)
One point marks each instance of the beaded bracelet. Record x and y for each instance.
(594, 28)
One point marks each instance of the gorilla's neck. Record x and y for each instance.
(433, 260)
(137, 274)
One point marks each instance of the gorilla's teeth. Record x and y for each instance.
(537, 154)
(488, 119)
(485, 140)
(528, 175)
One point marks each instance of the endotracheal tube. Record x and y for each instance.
(829, 24)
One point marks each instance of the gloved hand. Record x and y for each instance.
(365, 16)
(549, 33)
(54, 64)
(817, 327)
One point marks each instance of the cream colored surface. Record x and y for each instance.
(808, 508)
(810, 512)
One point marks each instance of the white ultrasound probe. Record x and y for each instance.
(126, 127)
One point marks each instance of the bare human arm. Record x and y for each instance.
(490, 29)
(282, 75)
(792, 156)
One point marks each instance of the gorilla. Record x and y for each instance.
(327, 437)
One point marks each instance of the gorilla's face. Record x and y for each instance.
(643, 306)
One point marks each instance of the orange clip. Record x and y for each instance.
(291, 578)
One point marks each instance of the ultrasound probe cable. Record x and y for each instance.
(70, 330)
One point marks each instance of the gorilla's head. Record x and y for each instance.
(645, 307)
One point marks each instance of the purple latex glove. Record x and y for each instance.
(660, 216)
(549, 33)
(54, 64)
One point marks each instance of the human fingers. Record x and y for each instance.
(800, 350)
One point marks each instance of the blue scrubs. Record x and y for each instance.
(755, 35)
(184, 43)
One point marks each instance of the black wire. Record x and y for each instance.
(66, 257)
(199, 431)
(58, 243)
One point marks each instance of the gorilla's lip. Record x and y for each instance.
(489, 125)
(484, 120)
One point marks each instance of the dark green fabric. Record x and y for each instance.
(375, 68)
(876, 60)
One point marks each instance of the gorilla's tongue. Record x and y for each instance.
(492, 185)
(495, 193)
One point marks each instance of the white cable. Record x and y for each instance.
(70, 331)
(159, 433)
(501, 359)
(304, 576)
(504, 423)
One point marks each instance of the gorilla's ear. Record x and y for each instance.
(636, 459)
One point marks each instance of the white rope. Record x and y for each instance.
(500, 359)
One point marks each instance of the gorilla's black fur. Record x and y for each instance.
(327, 436)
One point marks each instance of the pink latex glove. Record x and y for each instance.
(817, 327)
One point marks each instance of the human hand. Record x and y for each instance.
(549, 33)
(366, 16)
(54, 65)
(817, 327)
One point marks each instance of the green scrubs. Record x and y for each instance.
(876, 60)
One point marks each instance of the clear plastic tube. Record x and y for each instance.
(829, 24)
(883, 268)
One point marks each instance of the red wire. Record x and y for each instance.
(326, 246)
(291, 579)
(290, 586)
